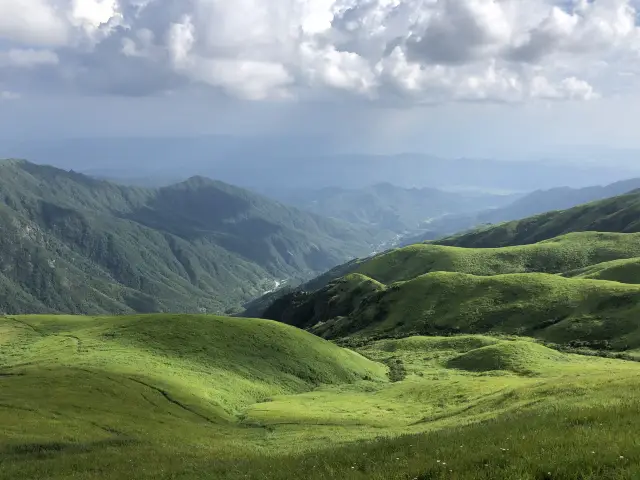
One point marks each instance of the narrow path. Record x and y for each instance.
(25, 324)
(175, 402)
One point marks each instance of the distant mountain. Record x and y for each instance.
(73, 244)
(387, 206)
(532, 204)
(263, 162)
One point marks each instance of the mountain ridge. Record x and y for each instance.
(199, 244)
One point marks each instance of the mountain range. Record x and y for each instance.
(510, 351)
(386, 206)
(261, 163)
(74, 244)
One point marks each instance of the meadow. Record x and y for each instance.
(186, 397)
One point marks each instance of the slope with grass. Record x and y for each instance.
(557, 255)
(617, 214)
(558, 310)
(73, 244)
(623, 271)
(213, 367)
(207, 397)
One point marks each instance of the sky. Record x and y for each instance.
(451, 77)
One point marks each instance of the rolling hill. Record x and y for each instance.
(74, 244)
(461, 364)
(495, 280)
(195, 396)
(551, 308)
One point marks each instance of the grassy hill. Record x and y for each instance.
(213, 367)
(555, 309)
(623, 271)
(74, 244)
(169, 396)
(618, 214)
(557, 255)
(554, 242)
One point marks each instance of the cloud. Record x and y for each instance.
(27, 58)
(6, 95)
(407, 51)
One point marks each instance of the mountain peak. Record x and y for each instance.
(12, 161)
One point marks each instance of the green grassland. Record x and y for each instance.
(616, 214)
(568, 252)
(549, 307)
(194, 397)
(624, 271)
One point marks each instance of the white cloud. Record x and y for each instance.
(419, 51)
(27, 58)
(33, 22)
(571, 87)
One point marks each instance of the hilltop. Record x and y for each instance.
(73, 244)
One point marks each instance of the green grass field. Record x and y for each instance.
(192, 397)
(558, 255)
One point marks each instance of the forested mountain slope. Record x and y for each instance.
(73, 244)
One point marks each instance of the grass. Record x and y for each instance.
(615, 214)
(624, 271)
(192, 397)
(549, 307)
(517, 356)
(568, 252)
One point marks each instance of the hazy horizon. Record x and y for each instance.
(470, 78)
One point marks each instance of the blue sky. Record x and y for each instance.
(454, 77)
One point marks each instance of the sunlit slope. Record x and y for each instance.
(568, 252)
(215, 366)
(167, 397)
(623, 271)
(544, 306)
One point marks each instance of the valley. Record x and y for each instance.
(506, 351)
(319, 240)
